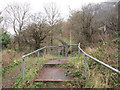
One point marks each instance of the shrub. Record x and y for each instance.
(5, 39)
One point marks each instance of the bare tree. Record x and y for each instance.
(36, 32)
(87, 20)
(81, 23)
(53, 17)
(17, 17)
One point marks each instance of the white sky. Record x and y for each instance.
(37, 5)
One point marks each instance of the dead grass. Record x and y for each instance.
(48, 56)
(90, 49)
(97, 75)
(9, 55)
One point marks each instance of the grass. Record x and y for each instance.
(97, 75)
(31, 71)
(9, 72)
(75, 70)
(33, 65)
(73, 66)
(11, 67)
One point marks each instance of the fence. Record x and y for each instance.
(66, 53)
(45, 48)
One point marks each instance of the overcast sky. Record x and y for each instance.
(62, 5)
(37, 5)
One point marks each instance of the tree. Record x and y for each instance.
(81, 23)
(18, 17)
(53, 17)
(110, 14)
(87, 19)
(36, 32)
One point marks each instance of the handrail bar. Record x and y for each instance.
(47, 47)
(33, 52)
(106, 65)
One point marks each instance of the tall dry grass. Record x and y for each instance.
(99, 76)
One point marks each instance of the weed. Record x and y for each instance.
(33, 65)
(10, 67)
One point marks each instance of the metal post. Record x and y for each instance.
(55, 51)
(85, 67)
(78, 51)
(23, 68)
(63, 50)
(66, 50)
(58, 51)
(45, 51)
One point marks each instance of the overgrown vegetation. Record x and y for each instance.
(10, 67)
(100, 76)
(5, 39)
(94, 26)
(97, 76)
(32, 72)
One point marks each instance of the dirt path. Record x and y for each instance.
(9, 78)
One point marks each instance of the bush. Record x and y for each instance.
(5, 40)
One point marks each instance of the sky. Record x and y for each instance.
(37, 5)
(62, 5)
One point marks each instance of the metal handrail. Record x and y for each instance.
(47, 47)
(104, 64)
(23, 57)
(79, 49)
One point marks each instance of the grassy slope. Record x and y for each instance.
(97, 75)
(33, 65)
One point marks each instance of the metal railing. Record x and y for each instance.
(102, 63)
(66, 52)
(46, 47)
